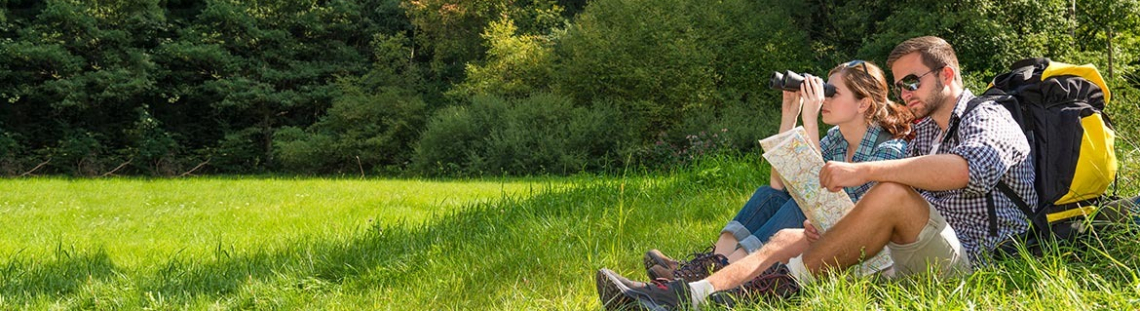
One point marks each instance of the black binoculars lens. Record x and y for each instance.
(791, 81)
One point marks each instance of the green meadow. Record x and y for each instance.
(504, 244)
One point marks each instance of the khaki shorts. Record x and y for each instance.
(937, 249)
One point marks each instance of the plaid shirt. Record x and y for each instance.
(995, 149)
(834, 148)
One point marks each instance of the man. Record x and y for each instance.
(930, 209)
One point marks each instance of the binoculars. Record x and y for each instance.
(791, 81)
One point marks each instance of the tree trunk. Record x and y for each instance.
(1110, 51)
(1073, 16)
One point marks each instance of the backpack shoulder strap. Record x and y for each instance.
(1013, 196)
(970, 105)
(992, 94)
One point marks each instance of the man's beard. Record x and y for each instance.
(932, 103)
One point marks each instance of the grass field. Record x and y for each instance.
(218, 243)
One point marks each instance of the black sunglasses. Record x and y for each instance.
(858, 62)
(912, 82)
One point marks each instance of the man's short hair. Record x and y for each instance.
(935, 52)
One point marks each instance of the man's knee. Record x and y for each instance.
(898, 207)
(890, 189)
(892, 196)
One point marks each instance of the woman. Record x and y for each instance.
(860, 112)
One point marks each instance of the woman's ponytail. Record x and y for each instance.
(895, 119)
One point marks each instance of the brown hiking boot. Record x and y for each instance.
(775, 283)
(699, 267)
(660, 272)
(655, 257)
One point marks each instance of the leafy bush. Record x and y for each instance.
(239, 152)
(448, 139)
(648, 51)
(731, 129)
(605, 133)
(361, 131)
(749, 122)
(152, 149)
(10, 151)
(542, 133)
(79, 153)
(515, 66)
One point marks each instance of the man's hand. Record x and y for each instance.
(836, 175)
(810, 232)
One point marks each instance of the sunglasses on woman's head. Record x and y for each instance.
(858, 62)
(912, 82)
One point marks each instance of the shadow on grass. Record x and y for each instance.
(60, 276)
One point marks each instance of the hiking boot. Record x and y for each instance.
(700, 267)
(619, 293)
(775, 283)
(610, 294)
(660, 272)
(654, 257)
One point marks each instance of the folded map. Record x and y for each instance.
(792, 155)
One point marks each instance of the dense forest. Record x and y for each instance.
(469, 87)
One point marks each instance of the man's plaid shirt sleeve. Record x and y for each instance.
(994, 144)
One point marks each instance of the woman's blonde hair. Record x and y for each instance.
(864, 79)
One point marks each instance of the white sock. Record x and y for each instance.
(798, 271)
(700, 290)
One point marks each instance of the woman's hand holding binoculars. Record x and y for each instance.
(803, 103)
(812, 92)
(791, 108)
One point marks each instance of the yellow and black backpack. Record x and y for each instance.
(1060, 107)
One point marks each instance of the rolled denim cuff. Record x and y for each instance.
(737, 229)
(751, 244)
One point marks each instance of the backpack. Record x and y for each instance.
(1060, 108)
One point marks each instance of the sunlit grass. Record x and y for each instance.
(427, 245)
(140, 220)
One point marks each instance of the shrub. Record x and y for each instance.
(749, 122)
(649, 51)
(238, 152)
(453, 136)
(733, 128)
(302, 152)
(78, 153)
(605, 133)
(11, 152)
(361, 131)
(543, 133)
(151, 149)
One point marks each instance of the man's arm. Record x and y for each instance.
(933, 172)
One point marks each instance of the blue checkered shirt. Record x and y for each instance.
(834, 148)
(995, 149)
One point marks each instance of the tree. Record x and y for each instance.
(675, 57)
(515, 65)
